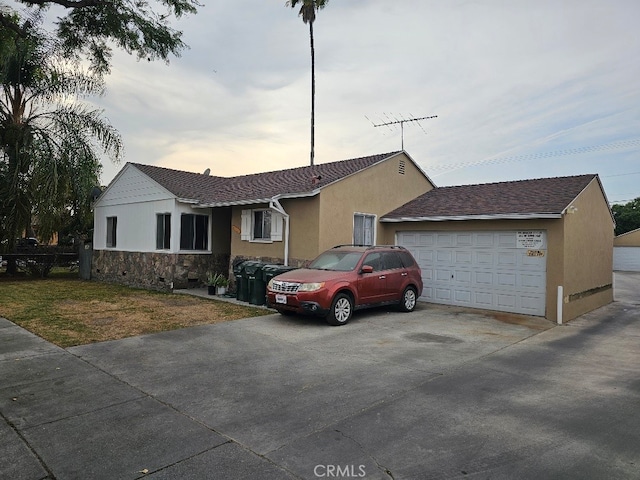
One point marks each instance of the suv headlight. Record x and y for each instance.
(311, 287)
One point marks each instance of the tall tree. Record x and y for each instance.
(627, 216)
(51, 141)
(308, 9)
(89, 26)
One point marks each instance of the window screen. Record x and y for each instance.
(112, 224)
(363, 229)
(163, 231)
(194, 232)
(262, 225)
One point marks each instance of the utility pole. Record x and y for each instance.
(402, 122)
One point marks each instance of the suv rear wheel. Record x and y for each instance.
(409, 298)
(341, 310)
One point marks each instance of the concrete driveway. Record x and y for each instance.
(437, 393)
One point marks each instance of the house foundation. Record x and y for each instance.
(156, 271)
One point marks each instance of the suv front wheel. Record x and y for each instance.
(341, 310)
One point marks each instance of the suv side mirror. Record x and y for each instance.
(366, 269)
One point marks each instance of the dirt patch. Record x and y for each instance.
(535, 323)
(101, 322)
(124, 316)
(424, 337)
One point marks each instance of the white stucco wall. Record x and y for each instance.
(136, 225)
(135, 200)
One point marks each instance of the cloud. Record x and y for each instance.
(504, 78)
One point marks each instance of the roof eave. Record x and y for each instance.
(255, 201)
(420, 169)
(445, 218)
(191, 201)
(628, 233)
(604, 194)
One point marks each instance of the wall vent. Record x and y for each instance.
(401, 166)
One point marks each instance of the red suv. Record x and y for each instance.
(348, 278)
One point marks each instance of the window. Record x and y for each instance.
(262, 224)
(336, 261)
(363, 229)
(112, 223)
(163, 231)
(194, 232)
(392, 261)
(374, 260)
(407, 259)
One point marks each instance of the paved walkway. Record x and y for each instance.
(204, 293)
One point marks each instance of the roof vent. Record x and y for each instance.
(207, 171)
(401, 167)
(315, 179)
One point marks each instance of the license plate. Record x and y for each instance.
(281, 299)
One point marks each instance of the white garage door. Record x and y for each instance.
(504, 271)
(626, 259)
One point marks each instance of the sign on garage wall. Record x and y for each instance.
(530, 239)
(495, 270)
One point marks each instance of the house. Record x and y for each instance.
(509, 246)
(626, 251)
(162, 228)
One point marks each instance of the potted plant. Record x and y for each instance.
(221, 285)
(217, 284)
(212, 280)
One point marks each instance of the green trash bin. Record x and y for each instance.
(242, 281)
(270, 271)
(257, 287)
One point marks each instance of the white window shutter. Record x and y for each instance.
(276, 226)
(245, 232)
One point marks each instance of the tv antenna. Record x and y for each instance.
(401, 121)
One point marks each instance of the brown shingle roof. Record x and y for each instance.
(524, 198)
(207, 189)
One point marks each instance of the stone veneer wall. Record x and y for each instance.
(156, 271)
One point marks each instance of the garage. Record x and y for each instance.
(626, 259)
(626, 251)
(501, 270)
(540, 247)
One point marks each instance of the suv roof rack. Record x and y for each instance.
(370, 247)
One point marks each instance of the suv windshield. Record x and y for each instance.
(336, 260)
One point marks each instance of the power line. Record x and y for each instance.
(621, 174)
(632, 143)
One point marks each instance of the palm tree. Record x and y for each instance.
(308, 9)
(50, 142)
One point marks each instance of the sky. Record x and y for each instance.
(521, 89)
